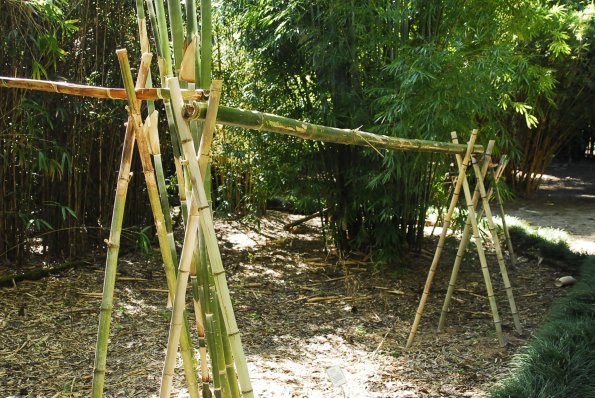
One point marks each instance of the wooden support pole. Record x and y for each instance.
(463, 243)
(498, 249)
(482, 259)
(445, 226)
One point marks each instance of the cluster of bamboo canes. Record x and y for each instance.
(200, 258)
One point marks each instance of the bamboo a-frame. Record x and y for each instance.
(472, 228)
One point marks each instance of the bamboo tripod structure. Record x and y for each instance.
(472, 228)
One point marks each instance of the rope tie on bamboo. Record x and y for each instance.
(358, 133)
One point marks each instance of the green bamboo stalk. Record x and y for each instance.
(155, 150)
(226, 354)
(261, 121)
(191, 231)
(481, 254)
(113, 242)
(498, 249)
(200, 320)
(219, 337)
(214, 359)
(445, 226)
(206, 39)
(113, 246)
(463, 243)
(176, 24)
(167, 69)
(134, 109)
(206, 221)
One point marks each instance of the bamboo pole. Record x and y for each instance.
(113, 246)
(226, 355)
(218, 348)
(504, 162)
(196, 214)
(151, 183)
(94, 91)
(206, 221)
(498, 249)
(463, 243)
(445, 226)
(261, 121)
(206, 41)
(482, 259)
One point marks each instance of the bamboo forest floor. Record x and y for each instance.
(300, 312)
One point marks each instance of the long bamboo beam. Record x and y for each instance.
(253, 120)
(283, 125)
(94, 91)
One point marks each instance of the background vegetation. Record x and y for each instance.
(521, 71)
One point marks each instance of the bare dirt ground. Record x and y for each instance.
(300, 312)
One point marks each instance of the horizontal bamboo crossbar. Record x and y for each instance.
(283, 125)
(93, 91)
(250, 119)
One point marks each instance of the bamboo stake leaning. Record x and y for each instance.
(501, 211)
(445, 226)
(113, 247)
(498, 249)
(482, 259)
(151, 183)
(200, 200)
(464, 241)
(196, 213)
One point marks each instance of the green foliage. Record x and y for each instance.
(558, 362)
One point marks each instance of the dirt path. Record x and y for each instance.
(565, 200)
(48, 327)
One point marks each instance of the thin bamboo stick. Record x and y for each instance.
(226, 356)
(498, 249)
(445, 226)
(482, 259)
(504, 162)
(218, 348)
(93, 91)
(151, 183)
(463, 243)
(206, 221)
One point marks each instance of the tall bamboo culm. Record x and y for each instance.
(214, 255)
(113, 246)
(440, 247)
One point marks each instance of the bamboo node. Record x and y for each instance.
(110, 244)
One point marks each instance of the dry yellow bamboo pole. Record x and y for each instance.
(445, 226)
(94, 91)
(151, 183)
(206, 221)
(482, 259)
(463, 243)
(498, 249)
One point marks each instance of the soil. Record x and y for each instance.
(301, 311)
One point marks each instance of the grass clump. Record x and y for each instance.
(550, 243)
(560, 360)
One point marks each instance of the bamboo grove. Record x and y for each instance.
(519, 73)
